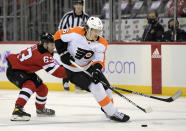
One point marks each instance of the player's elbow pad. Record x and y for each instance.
(61, 46)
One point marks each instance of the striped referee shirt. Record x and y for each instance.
(71, 20)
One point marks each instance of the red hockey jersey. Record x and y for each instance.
(36, 58)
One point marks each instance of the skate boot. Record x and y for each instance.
(45, 112)
(104, 112)
(78, 89)
(19, 114)
(66, 86)
(118, 116)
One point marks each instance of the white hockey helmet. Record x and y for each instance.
(95, 23)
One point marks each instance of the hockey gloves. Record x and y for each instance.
(61, 48)
(96, 73)
(96, 76)
(66, 57)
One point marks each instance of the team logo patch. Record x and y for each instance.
(82, 53)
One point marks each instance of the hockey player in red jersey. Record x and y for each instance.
(87, 48)
(21, 72)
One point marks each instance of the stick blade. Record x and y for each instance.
(177, 94)
(148, 110)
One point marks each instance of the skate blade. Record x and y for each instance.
(44, 115)
(18, 118)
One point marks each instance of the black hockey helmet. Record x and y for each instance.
(46, 37)
(74, 2)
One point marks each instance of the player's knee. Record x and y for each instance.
(30, 85)
(42, 90)
(97, 88)
(36, 79)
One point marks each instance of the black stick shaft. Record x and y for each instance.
(124, 97)
(149, 96)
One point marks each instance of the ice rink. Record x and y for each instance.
(80, 112)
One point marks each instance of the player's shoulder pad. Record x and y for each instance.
(79, 30)
(47, 54)
(103, 41)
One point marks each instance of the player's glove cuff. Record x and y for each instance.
(66, 57)
(96, 76)
(96, 73)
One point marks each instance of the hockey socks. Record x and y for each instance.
(27, 90)
(41, 96)
(107, 106)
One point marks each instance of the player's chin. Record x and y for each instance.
(95, 38)
(52, 51)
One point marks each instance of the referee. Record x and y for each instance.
(75, 17)
(71, 19)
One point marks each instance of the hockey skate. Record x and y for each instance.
(66, 86)
(45, 112)
(117, 116)
(104, 112)
(19, 115)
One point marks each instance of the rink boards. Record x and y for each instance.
(145, 67)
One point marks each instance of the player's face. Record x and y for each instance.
(51, 47)
(94, 33)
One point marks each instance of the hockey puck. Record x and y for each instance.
(143, 125)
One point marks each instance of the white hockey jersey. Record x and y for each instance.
(85, 53)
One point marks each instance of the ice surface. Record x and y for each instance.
(80, 112)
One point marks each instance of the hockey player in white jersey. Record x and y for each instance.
(87, 48)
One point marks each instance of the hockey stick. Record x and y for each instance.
(147, 110)
(170, 99)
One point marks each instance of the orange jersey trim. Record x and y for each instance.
(112, 100)
(105, 101)
(78, 30)
(81, 66)
(104, 42)
(102, 63)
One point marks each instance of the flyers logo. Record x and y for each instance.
(82, 53)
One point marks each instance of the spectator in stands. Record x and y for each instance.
(126, 6)
(169, 35)
(181, 5)
(154, 30)
(1, 31)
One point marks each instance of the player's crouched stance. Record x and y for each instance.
(84, 46)
(21, 72)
